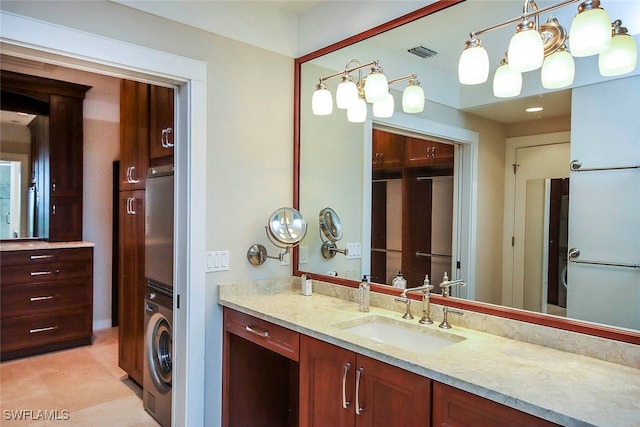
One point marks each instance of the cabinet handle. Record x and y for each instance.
(164, 138)
(128, 175)
(263, 334)
(33, 257)
(33, 299)
(433, 152)
(359, 410)
(53, 186)
(345, 403)
(53, 209)
(132, 179)
(132, 211)
(48, 328)
(41, 273)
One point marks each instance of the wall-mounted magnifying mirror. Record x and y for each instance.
(285, 229)
(330, 233)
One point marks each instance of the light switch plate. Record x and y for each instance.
(285, 258)
(303, 254)
(354, 250)
(217, 261)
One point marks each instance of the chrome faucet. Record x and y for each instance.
(445, 323)
(425, 288)
(447, 284)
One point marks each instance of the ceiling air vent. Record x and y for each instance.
(422, 52)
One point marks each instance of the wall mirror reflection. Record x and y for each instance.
(497, 211)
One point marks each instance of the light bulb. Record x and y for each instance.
(384, 108)
(558, 70)
(346, 93)
(322, 101)
(376, 86)
(357, 112)
(526, 49)
(473, 66)
(590, 31)
(507, 82)
(413, 98)
(621, 56)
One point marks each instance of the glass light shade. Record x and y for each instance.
(322, 102)
(558, 70)
(413, 99)
(526, 51)
(376, 87)
(590, 32)
(507, 82)
(384, 108)
(346, 93)
(357, 112)
(473, 66)
(621, 56)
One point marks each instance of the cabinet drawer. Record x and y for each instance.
(45, 272)
(276, 338)
(40, 329)
(32, 298)
(45, 256)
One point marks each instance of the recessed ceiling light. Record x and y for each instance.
(533, 109)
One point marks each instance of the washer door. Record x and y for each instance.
(159, 344)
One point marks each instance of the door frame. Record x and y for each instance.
(41, 41)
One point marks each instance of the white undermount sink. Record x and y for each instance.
(404, 334)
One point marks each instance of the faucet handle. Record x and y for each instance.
(407, 314)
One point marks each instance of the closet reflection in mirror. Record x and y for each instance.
(18, 195)
(593, 121)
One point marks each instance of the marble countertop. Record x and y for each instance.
(30, 245)
(565, 388)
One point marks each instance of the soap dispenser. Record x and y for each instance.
(364, 294)
(399, 281)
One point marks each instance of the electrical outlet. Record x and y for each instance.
(354, 250)
(285, 258)
(303, 254)
(217, 261)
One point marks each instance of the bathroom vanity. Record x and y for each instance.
(46, 295)
(328, 367)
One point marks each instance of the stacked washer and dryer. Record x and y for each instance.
(158, 303)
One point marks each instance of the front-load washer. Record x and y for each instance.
(158, 347)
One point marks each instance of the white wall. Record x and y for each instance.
(249, 140)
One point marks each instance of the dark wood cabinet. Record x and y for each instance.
(341, 388)
(453, 407)
(131, 283)
(422, 152)
(46, 300)
(387, 150)
(161, 125)
(134, 134)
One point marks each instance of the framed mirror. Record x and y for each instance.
(504, 196)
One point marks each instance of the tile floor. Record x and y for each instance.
(80, 387)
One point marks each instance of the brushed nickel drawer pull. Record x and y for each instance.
(47, 329)
(41, 273)
(345, 403)
(32, 299)
(359, 373)
(34, 257)
(263, 334)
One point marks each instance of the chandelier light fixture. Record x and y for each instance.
(535, 46)
(374, 89)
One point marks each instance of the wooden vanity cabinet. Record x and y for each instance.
(374, 393)
(453, 407)
(46, 300)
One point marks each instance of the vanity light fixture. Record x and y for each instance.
(374, 88)
(621, 56)
(534, 45)
(507, 82)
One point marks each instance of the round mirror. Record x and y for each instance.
(286, 227)
(330, 225)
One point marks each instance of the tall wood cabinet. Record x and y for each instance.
(142, 109)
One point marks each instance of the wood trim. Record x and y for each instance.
(40, 87)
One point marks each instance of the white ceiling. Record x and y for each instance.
(14, 118)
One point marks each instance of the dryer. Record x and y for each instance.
(158, 351)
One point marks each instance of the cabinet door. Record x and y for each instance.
(65, 219)
(456, 408)
(390, 396)
(131, 284)
(326, 384)
(387, 150)
(161, 136)
(134, 134)
(421, 152)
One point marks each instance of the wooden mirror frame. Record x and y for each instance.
(572, 325)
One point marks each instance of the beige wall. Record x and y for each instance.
(249, 140)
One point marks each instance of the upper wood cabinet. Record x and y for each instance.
(134, 134)
(161, 123)
(421, 152)
(57, 138)
(387, 150)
